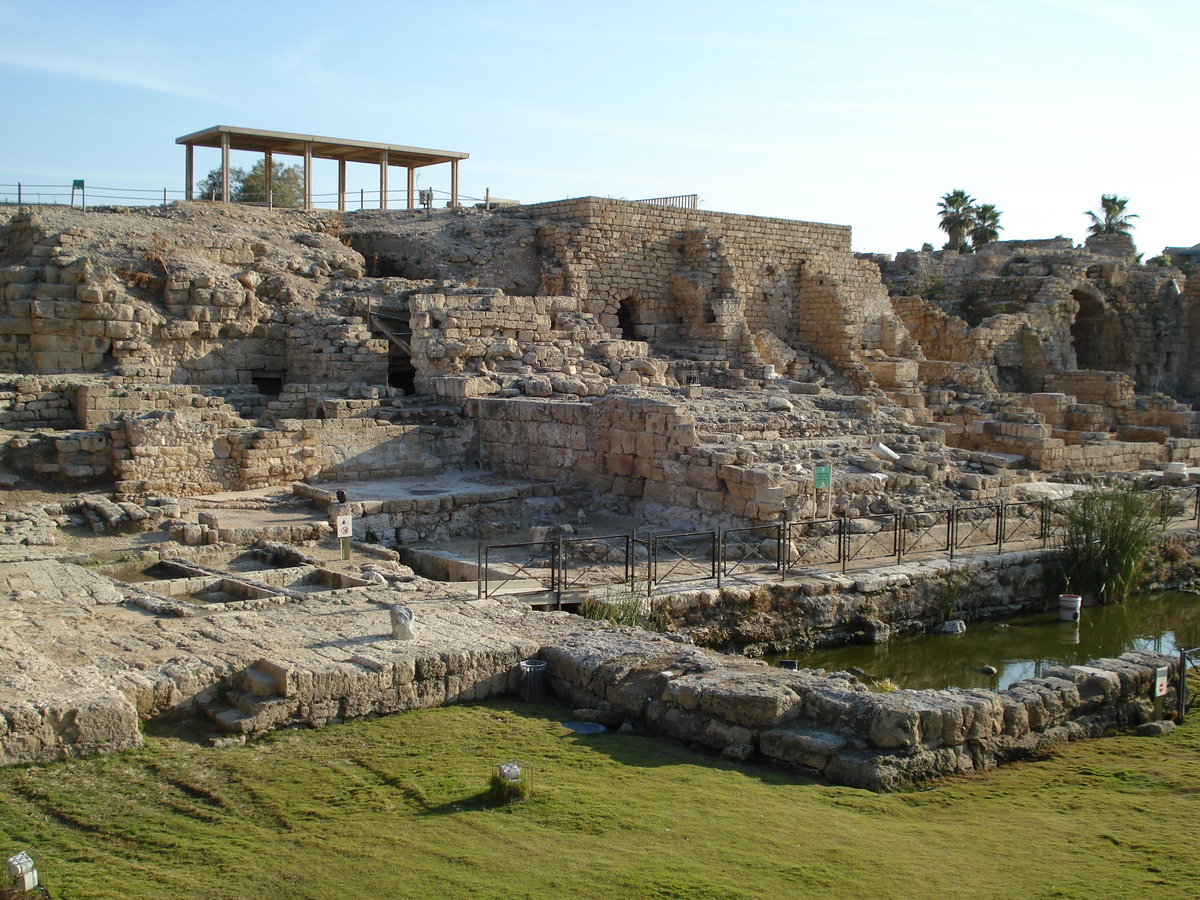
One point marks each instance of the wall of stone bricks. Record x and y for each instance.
(637, 447)
(713, 279)
(170, 454)
(63, 313)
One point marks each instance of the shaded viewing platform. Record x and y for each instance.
(227, 138)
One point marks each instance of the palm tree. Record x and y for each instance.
(986, 226)
(1115, 220)
(956, 216)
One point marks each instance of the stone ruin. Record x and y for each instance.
(691, 368)
(696, 363)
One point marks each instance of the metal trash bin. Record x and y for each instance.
(533, 680)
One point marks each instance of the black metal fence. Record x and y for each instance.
(572, 565)
(65, 195)
(1188, 659)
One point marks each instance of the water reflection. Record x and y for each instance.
(1023, 647)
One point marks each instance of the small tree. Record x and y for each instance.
(985, 226)
(1114, 218)
(956, 218)
(209, 187)
(961, 218)
(287, 185)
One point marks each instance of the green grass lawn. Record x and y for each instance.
(397, 808)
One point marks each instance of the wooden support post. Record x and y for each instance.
(188, 170)
(308, 174)
(269, 178)
(341, 185)
(383, 174)
(224, 167)
(454, 182)
(412, 184)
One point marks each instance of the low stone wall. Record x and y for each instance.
(822, 609)
(171, 454)
(435, 518)
(833, 726)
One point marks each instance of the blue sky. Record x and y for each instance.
(859, 113)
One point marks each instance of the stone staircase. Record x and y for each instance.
(253, 705)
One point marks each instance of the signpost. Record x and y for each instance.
(345, 529)
(77, 185)
(823, 480)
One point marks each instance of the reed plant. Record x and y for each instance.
(1106, 538)
(618, 604)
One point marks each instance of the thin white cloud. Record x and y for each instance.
(1165, 28)
(106, 71)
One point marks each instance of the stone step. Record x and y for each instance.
(259, 683)
(241, 712)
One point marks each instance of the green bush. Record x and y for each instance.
(1106, 538)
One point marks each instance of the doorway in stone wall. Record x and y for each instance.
(1095, 334)
(625, 320)
(396, 328)
(268, 385)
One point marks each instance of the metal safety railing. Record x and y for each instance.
(576, 564)
(679, 201)
(22, 194)
(1188, 659)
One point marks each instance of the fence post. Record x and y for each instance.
(1181, 687)
(18, 193)
(487, 554)
(629, 561)
(844, 541)
(479, 570)
(556, 572)
(785, 548)
(1001, 515)
(899, 523)
(651, 562)
(719, 554)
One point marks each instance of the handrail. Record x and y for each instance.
(741, 553)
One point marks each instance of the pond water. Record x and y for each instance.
(1021, 647)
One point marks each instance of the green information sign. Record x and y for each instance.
(821, 476)
(77, 184)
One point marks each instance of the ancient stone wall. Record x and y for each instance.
(712, 279)
(169, 454)
(638, 447)
(187, 305)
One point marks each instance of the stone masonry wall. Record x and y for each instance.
(170, 454)
(637, 447)
(714, 279)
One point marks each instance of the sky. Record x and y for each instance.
(856, 113)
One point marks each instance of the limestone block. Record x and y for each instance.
(810, 747)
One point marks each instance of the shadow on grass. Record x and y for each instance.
(639, 750)
(644, 750)
(188, 730)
